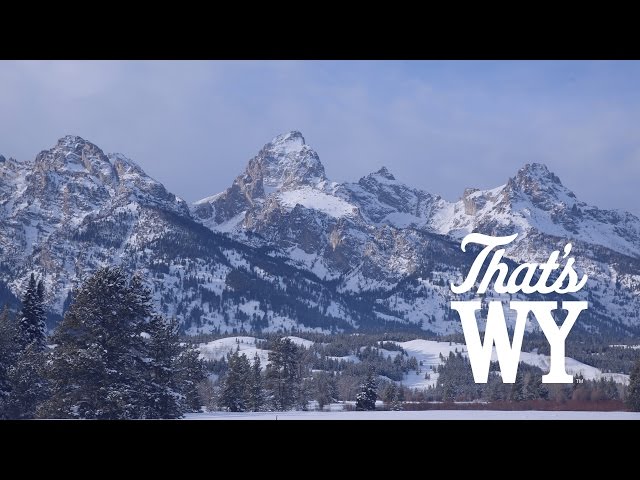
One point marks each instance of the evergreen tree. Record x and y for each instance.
(494, 388)
(8, 357)
(633, 390)
(612, 390)
(31, 320)
(191, 372)
(236, 385)
(115, 358)
(303, 394)
(162, 388)
(539, 389)
(396, 400)
(40, 302)
(99, 366)
(256, 394)
(283, 374)
(518, 387)
(366, 399)
(324, 388)
(28, 385)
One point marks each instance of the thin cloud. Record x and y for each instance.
(440, 126)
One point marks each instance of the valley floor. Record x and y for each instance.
(419, 415)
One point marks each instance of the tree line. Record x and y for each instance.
(111, 356)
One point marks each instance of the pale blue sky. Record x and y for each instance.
(440, 126)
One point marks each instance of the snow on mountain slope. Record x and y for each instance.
(383, 200)
(428, 354)
(536, 200)
(75, 208)
(318, 200)
(401, 245)
(284, 247)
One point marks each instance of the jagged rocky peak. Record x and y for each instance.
(71, 141)
(287, 161)
(73, 146)
(536, 182)
(536, 172)
(288, 141)
(381, 176)
(384, 173)
(75, 154)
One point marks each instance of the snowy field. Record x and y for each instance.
(422, 415)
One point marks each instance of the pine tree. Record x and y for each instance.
(162, 389)
(115, 358)
(283, 376)
(99, 365)
(518, 387)
(31, 321)
(303, 394)
(366, 399)
(539, 389)
(612, 390)
(396, 402)
(8, 357)
(191, 372)
(494, 388)
(28, 385)
(40, 302)
(324, 388)
(256, 394)
(236, 384)
(633, 390)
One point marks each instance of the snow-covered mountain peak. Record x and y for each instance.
(71, 141)
(73, 154)
(380, 179)
(285, 164)
(288, 141)
(535, 202)
(537, 183)
(287, 160)
(73, 149)
(70, 148)
(537, 172)
(384, 173)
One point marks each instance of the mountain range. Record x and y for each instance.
(284, 247)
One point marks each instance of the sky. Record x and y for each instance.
(440, 126)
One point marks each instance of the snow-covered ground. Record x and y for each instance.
(218, 349)
(421, 415)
